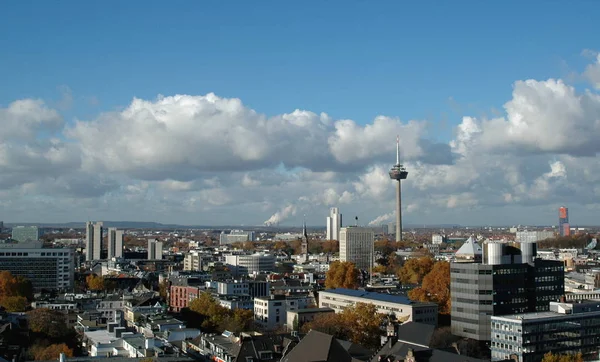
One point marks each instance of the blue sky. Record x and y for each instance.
(433, 61)
(350, 59)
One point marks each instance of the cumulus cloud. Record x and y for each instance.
(206, 159)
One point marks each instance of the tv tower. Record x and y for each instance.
(398, 173)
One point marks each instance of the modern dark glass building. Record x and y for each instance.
(508, 280)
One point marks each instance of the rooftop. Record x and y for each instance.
(388, 298)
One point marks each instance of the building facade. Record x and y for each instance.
(334, 224)
(155, 249)
(270, 313)
(565, 328)
(525, 236)
(241, 265)
(508, 281)
(115, 243)
(24, 234)
(236, 236)
(46, 268)
(93, 240)
(402, 308)
(564, 228)
(357, 246)
(180, 296)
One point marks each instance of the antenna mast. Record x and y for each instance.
(397, 150)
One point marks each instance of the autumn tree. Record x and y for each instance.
(435, 287)
(359, 323)
(14, 304)
(549, 357)
(414, 270)
(331, 246)
(51, 352)
(163, 289)
(238, 320)
(342, 275)
(210, 311)
(48, 322)
(94, 282)
(15, 292)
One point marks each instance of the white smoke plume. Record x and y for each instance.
(281, 215)
(380, 219)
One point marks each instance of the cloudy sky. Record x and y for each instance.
(239, 113)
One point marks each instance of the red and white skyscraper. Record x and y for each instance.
(564, 229)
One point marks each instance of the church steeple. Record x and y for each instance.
(304, 240)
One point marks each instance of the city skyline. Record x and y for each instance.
(131, 123)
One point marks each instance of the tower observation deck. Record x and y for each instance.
(398, 172)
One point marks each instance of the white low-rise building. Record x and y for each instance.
(271, 312)
(401, 307)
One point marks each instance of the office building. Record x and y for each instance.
(93, 240)
(357, 246)
(270, 312)
(241, 265)
(334, 224)
(155, 249)
(564, 229)
(508, 280)
(566, 328)
(525, 236)
(46, 268)
(251, 288)
(236, 236)
(115, 243)
(25, 234)
(403, 308)
(196, 261)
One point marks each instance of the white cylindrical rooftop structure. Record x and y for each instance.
(528, 252)
(494, 253)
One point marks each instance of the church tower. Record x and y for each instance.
(304, 242)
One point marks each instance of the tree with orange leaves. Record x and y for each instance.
(435, 287)
(342, 275)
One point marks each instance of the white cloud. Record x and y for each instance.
(212, 160)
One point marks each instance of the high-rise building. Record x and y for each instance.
(24, 234)
(533, 236)
(564, 229)
(508, 280)
(334, 224)
(155, 249)
(46, 268)
(115, 243)
(357, 246)
(93, 240)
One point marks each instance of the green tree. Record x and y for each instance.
(295, 323)
(435, 287)
(211, 312)
(342, 275)
(414, 270)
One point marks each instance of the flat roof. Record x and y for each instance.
(382, 297)
(311, 310)
(101, 336)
